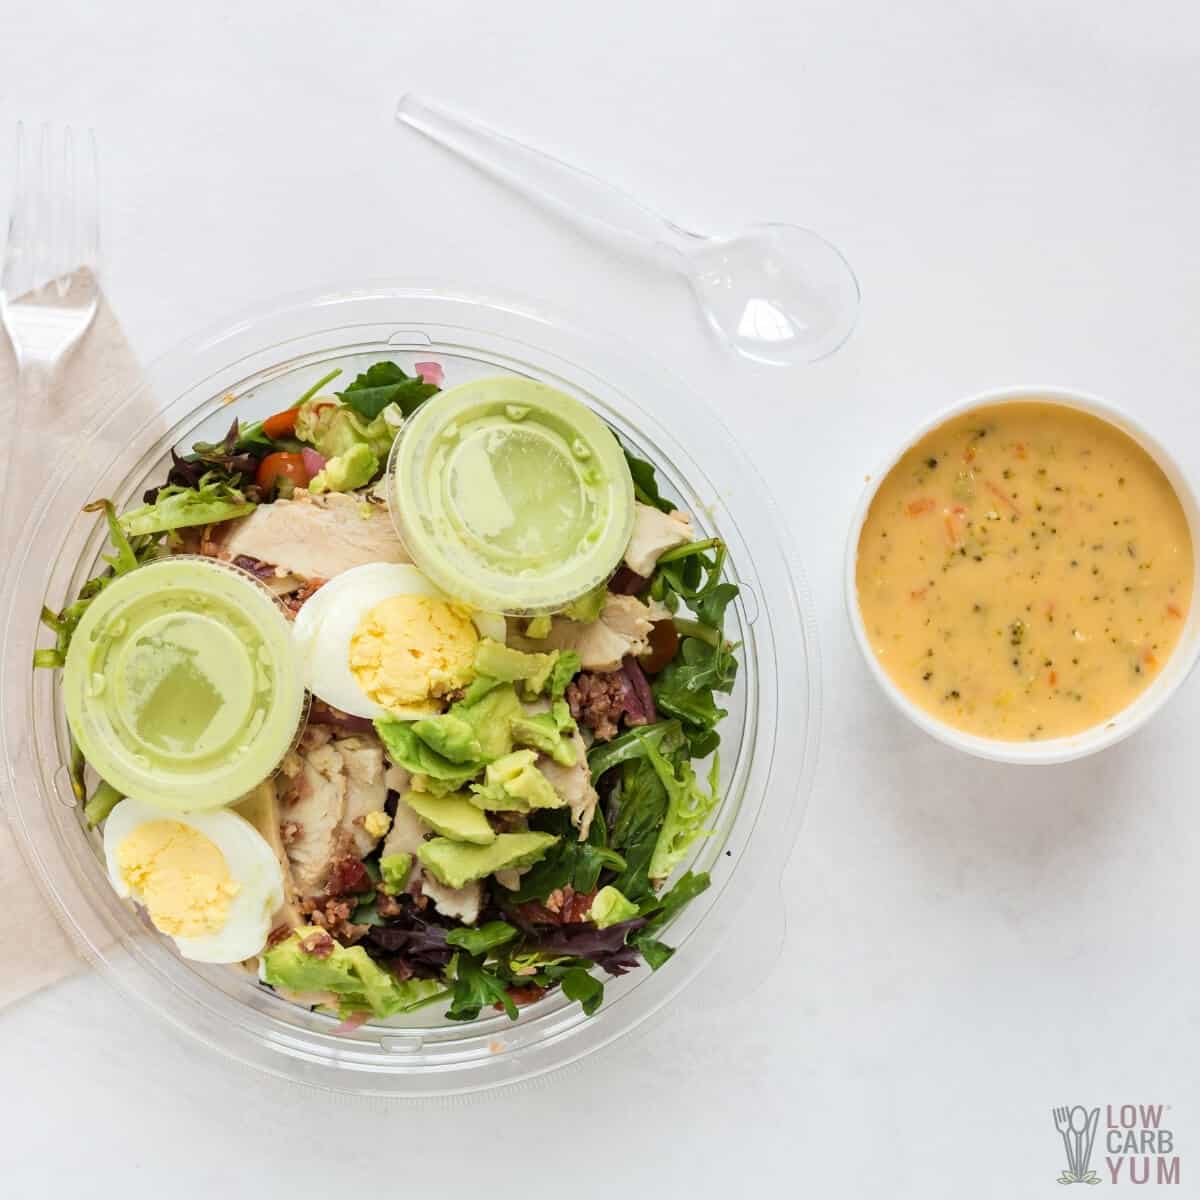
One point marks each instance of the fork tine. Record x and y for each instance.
(42, 217)
(18, 216)
(89, 203)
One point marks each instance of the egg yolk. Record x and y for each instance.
(179, 875)
(410, 648)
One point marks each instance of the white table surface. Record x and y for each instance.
(1018, 187)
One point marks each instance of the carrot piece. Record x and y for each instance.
(1175, 610)
(1019, 450)
(922, 504)
(1001, 495)
(1052, 678)
(969, 456)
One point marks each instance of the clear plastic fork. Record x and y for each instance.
(50, 281)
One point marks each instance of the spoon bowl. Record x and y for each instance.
(775, 293)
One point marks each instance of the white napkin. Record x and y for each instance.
(101, 372)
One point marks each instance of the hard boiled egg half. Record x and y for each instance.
(208, 880)
(381, 641)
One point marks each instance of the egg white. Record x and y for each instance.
(252, 864)
(326, 623)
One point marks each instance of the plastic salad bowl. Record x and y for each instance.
(256, 365)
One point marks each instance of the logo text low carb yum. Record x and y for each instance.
(1138, 1147)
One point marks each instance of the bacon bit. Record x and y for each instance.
(348, 876)
(564, 906)
(521, 996)
(431, 372)
(1001, 495)
(296, 601)
(921, 505)
(1052, 678)
(289, 831)
(351, 1023)
(1175, 610)
(318, 943)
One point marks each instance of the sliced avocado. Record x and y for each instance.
(541, 732)
(489, 717)
(503, 662)
(514, 784)
(456, 864)
(450, 736)
(452, 816)
(393, 871)
(309, 961)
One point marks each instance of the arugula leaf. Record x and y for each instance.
(384, 383)
(710, 607)
(661, 909)
(579, 984)
(642, 809)
(569, 861)
(653, 951)
(486, 937)
(632, 744)
(685, 687)
(645, 483)
(476, 986)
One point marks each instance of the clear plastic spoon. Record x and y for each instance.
(775, 293)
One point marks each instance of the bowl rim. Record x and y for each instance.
(1121, 724)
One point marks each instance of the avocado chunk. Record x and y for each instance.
(489, 717)
(611, 907)
(542, 733)
(393, 872)
(408, 751)
(514, 784)
(452, 816)
(588, 607)
(451, 737)
(456, 864)
(352, 469)
(538, 628)
(503, 662)
(309, 960)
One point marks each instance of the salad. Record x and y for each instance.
(333, 755)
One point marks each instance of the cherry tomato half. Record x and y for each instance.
(282, 424)
(290, 466)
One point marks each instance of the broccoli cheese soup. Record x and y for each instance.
(1024, 571)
